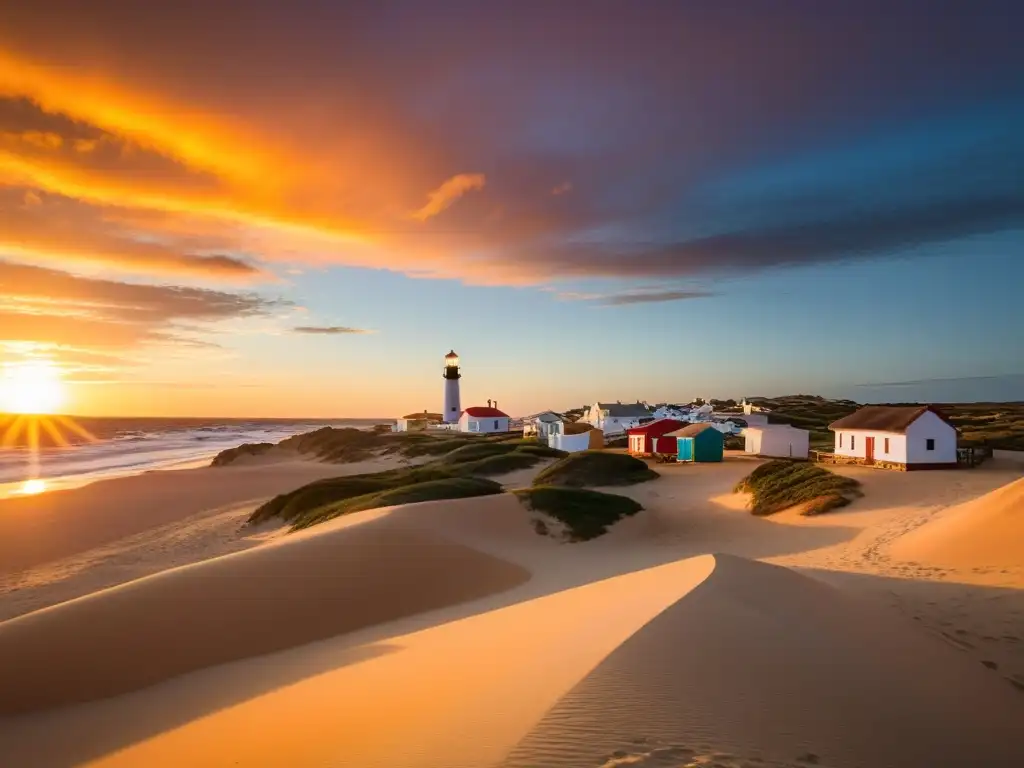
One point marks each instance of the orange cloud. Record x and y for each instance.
(561, 189)
(448, 193)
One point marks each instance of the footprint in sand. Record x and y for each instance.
(990, 664)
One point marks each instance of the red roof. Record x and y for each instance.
(657, 428)
(484, 412)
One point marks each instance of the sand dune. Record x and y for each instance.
(334, 579)
(759, 661)
(987, 532)
(38, 529)
(713, 658)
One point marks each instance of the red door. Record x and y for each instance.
(869, 450)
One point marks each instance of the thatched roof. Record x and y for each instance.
(885, 418)
(577, 427)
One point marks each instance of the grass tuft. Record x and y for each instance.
(595, 468)
(586, 514)
(782, 484)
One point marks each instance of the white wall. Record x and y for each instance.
(929, 426)
(483, 425)
(782, 442)
(570, 443)
(897, 445)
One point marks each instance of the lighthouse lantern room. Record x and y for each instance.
(452, 408)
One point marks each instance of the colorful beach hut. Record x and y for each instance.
(643, 440)
(698, 442)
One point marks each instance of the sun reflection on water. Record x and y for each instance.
(32, 487)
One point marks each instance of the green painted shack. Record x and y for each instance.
(698, 442)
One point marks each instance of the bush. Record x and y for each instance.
(782, 484)
(289, 506)
(586, 514)
(595, 468)
(226, 457)
(498, 465)
(536, 449)
(476, 451)
(449, 488)
(431, 446)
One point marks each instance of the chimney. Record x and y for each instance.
(488, 402)
(495, 403)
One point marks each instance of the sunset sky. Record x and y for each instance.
(296, 209)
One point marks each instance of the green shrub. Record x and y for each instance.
(476, 451)
(595, 468)
(537, 449)
(782, 484)
(433, 490)
(586, 514)
(226, 457)
(431, 446)
(498, 465)
(289, 506)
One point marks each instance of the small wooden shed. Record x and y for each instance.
(699, 442)
(642, 439)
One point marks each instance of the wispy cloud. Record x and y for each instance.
(637, 296)
(561, 189)
(329, 330)
(448, 193)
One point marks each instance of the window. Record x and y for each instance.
(885, 444)
(453, 409)
(853, 442)
(929, 444)
(840, 439)
(495, 423)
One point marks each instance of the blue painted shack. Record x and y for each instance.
(698, 442)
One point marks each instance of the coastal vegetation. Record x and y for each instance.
(784, 484)
(595, 468)
(224, 458)
(468, 461)
(586, 514)
(432, 490)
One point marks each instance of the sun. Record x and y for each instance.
(32, 387)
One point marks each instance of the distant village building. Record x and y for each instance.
(644, 440)
(575, 436)
(417, 422)
(678, 412)
(698, 443)
(483, 419)
(616, 418)
(777, 441)
(896, 437)
(539, 425)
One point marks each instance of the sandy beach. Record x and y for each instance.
(146, 626)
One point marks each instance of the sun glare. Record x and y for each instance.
(33, 387)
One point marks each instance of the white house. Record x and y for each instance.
(539, 425)
(483, 419)
(778, 441)
(575, 436)
(677, 412)
(616, 418)
(896, 437)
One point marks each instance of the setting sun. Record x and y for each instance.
(31, 388)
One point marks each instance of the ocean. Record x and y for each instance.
(127, 446)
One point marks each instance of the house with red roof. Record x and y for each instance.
(650, 438)
(483, 419)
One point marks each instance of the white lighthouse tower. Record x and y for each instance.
(452, 408)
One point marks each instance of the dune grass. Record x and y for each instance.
(228, 456)
(499, 465)
(325, 499)
(475, 451)
(595, 468)
(432, 490)
(782, 484)
(586, 514)
(538, 449)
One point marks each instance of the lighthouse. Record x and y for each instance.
(452, 409)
